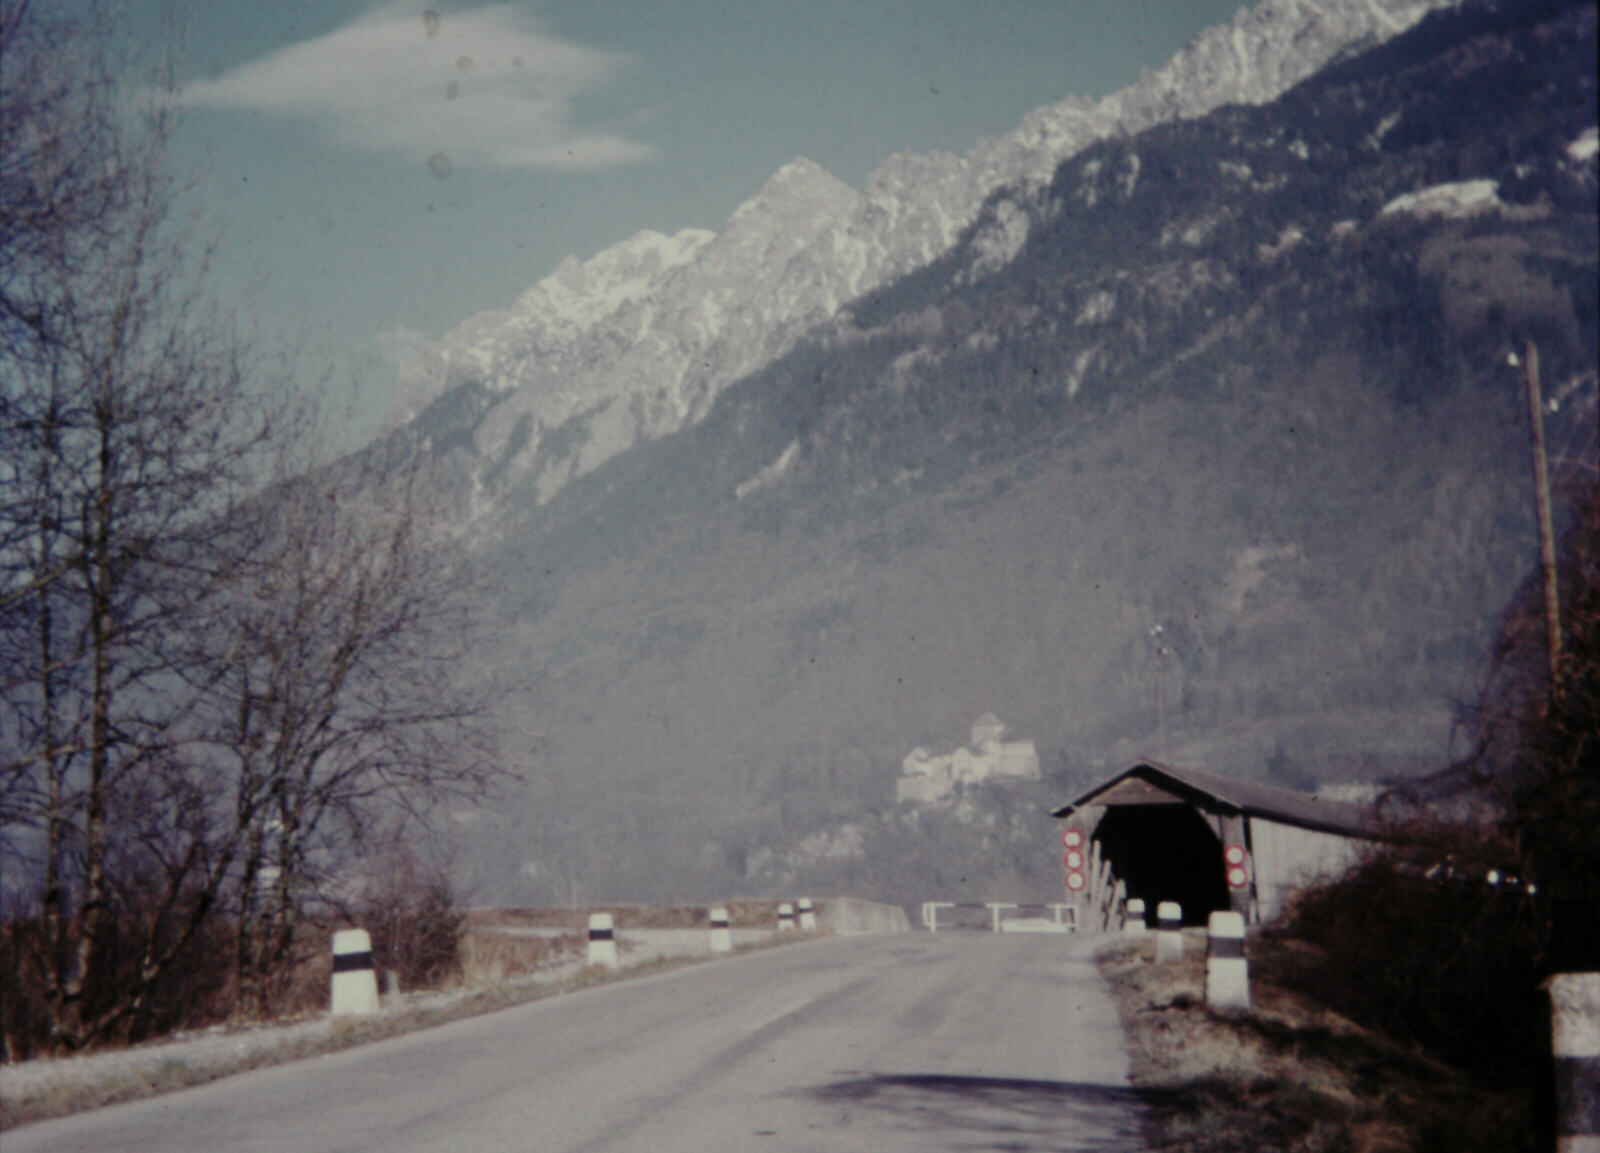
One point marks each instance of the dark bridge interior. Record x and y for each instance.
(1165, 853)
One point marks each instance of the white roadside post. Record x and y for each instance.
(1227, 970)
(1575, 1043)
(1169, 936)
(602, 940)
(1134, 920)
(721, 935)
(785, 916)
(808, 914)
(355, 981)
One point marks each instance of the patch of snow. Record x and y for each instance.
(770, 475)
(577, 296)
(1080, 369)
(1375, 140)
(998, 243)
(1383, 18)
(1130, 179)
(1457, 199)
(1290, 237)
(1097, 309)
(1585, 146)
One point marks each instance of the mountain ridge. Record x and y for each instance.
(805, 244)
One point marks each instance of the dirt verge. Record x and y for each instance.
(1290, 1075)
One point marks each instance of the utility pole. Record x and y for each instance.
(1547, 542)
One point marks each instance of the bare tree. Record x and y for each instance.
(68, 171)
(348, 697)
(212, 673)
(127, 427)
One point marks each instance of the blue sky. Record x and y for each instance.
(374, 173)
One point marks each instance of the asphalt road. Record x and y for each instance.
(872, 1044)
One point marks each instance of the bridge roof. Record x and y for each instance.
(1154, 783)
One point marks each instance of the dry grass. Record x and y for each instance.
(488, 958)
(1289, 1076)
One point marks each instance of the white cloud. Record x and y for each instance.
(482, 87)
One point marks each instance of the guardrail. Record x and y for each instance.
(1063, 916)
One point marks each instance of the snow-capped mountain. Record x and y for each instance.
(639, 340)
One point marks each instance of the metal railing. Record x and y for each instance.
(1060, 917)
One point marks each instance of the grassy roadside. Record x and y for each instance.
(165, 1075)
(1290, 1075)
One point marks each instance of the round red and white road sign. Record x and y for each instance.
(1075, 882)
(1233, 854)
(1072, 859)
(1071, 838)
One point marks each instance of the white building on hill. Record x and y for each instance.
(927, 779)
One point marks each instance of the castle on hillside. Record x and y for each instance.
(927, 779)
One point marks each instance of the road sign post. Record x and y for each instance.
(1074, 861)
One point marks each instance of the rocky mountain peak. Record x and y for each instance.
(800, 198)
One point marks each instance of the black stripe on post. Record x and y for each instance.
(350, 962)
(599, 934)
(719, 924)
(1170, 925)
(1227, 948)
(1578, 1096)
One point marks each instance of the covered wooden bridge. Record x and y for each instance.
(1207, 841)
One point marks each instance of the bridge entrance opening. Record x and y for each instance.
(1165, 852)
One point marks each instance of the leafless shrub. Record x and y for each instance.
(414, 919)
(1417, 943)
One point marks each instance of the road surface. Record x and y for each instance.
(854, 1044)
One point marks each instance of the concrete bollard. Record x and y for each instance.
(602, 940)
(808, 914)
(785, 916)
(1227, 971)
(1575, 1043)
(355, 981)
(721, 935)
(1133, 917)
(1169, 935)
